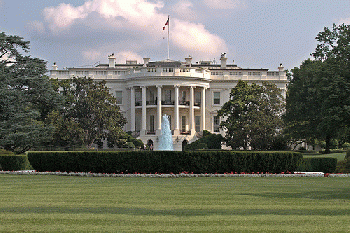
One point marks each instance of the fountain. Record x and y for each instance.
(165, 139)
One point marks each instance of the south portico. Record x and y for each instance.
(183, 103)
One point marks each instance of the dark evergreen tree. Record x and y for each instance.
(26, 96)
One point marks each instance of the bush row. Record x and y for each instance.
(165, 161)
(326, 165)
(13, 162)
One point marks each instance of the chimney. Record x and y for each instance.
(280, 68)
(54, 67)
(188, 60)
(146, 61)
(111, 60)
(223, 60)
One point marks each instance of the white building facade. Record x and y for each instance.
(189, 93)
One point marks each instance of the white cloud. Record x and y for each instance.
(184, 10)
(132, 12)
(132, 24)
(65, 14)
(224, 4)
(121, 57)
(196, 39)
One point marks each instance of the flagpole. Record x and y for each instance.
(168, 37)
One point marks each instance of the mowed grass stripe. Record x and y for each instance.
(87, 204)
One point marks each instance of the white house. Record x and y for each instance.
(189, 93)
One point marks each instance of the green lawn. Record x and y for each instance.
(338, 156)
(30, 203)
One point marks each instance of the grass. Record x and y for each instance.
(338, 156)
(31, 203)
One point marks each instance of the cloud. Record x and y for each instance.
(65, 14)
(224, 4)
(37, 26)
(121, 57)
(92, 55)
(113, 25)
(344, 21)
(184, 10)
(196, 39)
(130, 12)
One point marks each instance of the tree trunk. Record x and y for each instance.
(328, 141)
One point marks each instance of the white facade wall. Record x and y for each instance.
(161, 79)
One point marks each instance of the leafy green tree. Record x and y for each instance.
(26, 96)
(318, 97)
(90, 113)
(252, 116)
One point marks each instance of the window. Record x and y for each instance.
(216, 97)
(118, 72)
(217, 73)
(257, 73)
(82, 73)
(197, 120)
(151, 70)
(138, 98)
(119, 97)
(169, 118)
(151, 123)
(216, 124)
(167, 96)
(183, 98)
(62, 72)
(183, 123)
(197, 98)
(168, 69)
(100, 72)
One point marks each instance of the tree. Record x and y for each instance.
(26, 96)
(252, 116)
(318, 97)
(90, 113)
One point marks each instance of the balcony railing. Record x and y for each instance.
(150, 132)
(153, 102)
(168, 102)
(184, 102)
(164, 102)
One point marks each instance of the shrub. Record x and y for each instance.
(11, 162)
(326, 165)
(347, 156)
(165, 161)
(208, 141)
(343, 166)
(346, 145)
(129, 145)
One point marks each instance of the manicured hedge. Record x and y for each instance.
(165, 161)
(13, 162)
(326, 165)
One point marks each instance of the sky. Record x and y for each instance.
(253, 33)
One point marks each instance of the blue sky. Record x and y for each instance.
(256, 34)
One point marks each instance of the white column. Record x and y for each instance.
(192, 126)
(144, 112)
(176, 112)
(159, 109)
(132, 113)
(203, 108)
